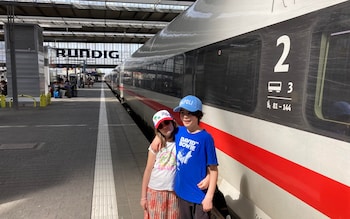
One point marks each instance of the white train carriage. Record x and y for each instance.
(274, 78)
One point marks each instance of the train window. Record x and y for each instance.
(164, 76)
(178, 76)
(226, 74)
(332, 101)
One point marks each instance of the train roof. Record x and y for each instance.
(210, 21)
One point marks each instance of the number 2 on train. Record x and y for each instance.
(281, 66)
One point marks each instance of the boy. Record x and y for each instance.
(196, 157)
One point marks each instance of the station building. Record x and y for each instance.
(62, 59)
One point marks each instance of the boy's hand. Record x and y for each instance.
(207, 204)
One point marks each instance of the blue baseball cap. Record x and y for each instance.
(189, 103)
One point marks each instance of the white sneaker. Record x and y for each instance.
(228, 217)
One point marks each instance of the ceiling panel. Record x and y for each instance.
(97, 21)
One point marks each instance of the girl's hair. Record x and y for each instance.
(161, 136)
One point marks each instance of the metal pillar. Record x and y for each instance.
(11, 37)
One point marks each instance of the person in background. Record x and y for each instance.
(68, 89)
(57, 89)
(3, 88)
(157, 196)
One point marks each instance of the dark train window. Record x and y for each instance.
(332, 100)
(226, 74)
(164, 76)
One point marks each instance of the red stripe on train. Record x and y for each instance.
(324, 194)
(153, 104)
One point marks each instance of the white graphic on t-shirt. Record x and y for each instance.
(184, 159)
(188, 143)
(185, 143)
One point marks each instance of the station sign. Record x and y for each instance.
(87, 53)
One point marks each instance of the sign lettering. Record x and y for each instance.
(87, 53)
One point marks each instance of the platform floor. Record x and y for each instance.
(78, 158)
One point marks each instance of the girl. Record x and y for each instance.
(157, 197)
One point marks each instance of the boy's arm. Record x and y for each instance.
(208, 199)
(156, 144)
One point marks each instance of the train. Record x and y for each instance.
(274, 79)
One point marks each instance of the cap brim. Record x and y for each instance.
(189, 109)
(177, 109)
(160, 121)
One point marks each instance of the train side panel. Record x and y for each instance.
(276, 98)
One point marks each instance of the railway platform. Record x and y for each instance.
(77, 158)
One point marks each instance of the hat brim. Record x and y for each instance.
(177, 109)
(189, 109)
(160, 121)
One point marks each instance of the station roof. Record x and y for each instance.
(94, 21)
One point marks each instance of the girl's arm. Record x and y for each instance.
(146, 177)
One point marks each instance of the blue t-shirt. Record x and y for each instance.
(194, 152)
